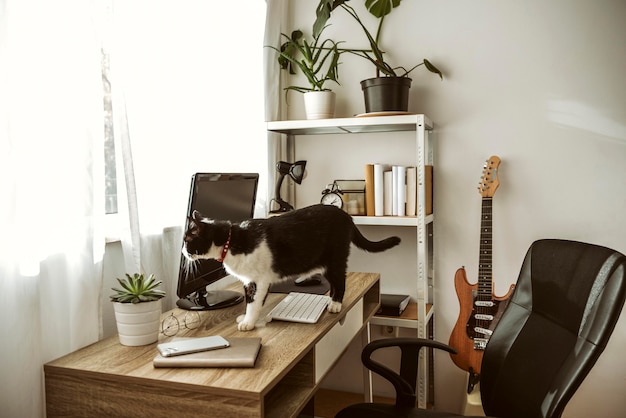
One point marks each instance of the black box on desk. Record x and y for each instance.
(393, 305)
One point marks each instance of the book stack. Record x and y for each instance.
(391, 190)
(393, 305)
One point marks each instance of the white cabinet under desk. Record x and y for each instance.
(339, 149)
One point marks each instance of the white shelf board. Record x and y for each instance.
(390, 220)
(350, 125)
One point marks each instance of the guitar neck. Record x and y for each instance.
(485, 286)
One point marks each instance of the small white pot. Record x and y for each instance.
(319, 104)
(138, 323)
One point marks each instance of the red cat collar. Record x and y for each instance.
(225, 249)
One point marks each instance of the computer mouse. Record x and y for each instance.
(314, 280)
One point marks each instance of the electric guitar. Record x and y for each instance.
(480, 309)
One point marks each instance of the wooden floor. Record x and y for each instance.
(329, 402)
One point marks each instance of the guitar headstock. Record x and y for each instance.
(489, 180)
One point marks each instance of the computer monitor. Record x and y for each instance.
(223, 196)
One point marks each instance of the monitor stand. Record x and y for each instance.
(207, 300)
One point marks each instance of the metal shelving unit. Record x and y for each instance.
(423, 223)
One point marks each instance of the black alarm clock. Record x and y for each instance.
(331, 195)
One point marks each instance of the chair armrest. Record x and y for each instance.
(404, 383)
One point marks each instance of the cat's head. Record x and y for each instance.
(204, 237)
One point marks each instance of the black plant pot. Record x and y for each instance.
(384, 94)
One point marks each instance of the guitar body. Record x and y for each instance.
(469, 357)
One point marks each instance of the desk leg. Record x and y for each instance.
(366, 337)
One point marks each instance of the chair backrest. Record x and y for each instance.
(566, 303)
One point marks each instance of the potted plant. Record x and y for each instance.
(319, 62)
(389, 90)
(137, 306)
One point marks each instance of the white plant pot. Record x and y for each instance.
(138, 323)
(319, 104)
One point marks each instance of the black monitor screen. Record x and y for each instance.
(222, 196)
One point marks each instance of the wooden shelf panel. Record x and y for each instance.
(294, 390)
(408, 319)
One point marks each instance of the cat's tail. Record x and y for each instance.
(373, 246)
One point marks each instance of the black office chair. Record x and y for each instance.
(566, 303)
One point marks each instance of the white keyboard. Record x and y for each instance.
(300, 307)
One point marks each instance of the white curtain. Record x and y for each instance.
(188, 91)
(275, 24)
(51, 188)
(176, 113)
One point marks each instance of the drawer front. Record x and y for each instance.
(329, 348)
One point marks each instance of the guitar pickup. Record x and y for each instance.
(484, 317)
(480, 343)
(484, 331)
(484, 303)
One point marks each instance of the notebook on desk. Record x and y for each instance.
(242, 352)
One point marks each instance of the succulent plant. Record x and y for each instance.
(137, 289)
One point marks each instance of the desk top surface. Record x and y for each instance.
(283, 345)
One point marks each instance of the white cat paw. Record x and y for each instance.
(245, 326)
(334, 307)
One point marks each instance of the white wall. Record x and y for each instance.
(541, 84)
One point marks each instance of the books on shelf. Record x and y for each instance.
(392, 190)
(393, 305)
(379, 170)
(411, 198)
(387, 194)
(369, 190)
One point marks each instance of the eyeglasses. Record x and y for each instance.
(171, 324)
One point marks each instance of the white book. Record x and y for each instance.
(394, 190)
(379, 189)
(411, 191)
(388, 193)
(401, 190)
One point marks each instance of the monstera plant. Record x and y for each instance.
(386, 73)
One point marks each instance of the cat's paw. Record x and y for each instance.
(243, 325)
(334, 307)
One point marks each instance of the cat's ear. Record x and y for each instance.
(196, 216)
(195, 221)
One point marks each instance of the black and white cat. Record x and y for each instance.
(259, 252)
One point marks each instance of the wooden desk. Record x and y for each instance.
(108, 379)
